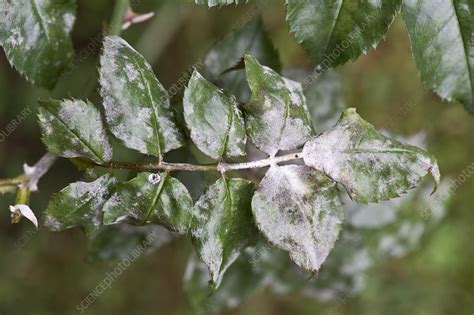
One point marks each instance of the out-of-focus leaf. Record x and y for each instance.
(150, 199)
(35, 37)
(324, 96)
(73, 128)
(228, 52)
(79, 204)
(277, 115)
(223, 225)
(334, 32)
(213, 3)
(442, 40)
(216, 124)
(136, 105)
(299, 210)
(118, 241)
(371, 166)
(239, 283)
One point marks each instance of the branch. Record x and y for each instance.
(221, 167)
(115, 27)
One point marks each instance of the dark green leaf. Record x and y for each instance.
(299, 210)
(118, 241)
(277, 116)
(335, 31)
(223, 226)
(442, 40)
(79, 204)
(239, 283)
(136, 105)
(35, 37)
(216, 124)
(150, 199)
(227, 53)
(73, 128)
(371, 166)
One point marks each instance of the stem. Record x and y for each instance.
(115, 27)
(220, 167)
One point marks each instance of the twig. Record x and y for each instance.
(220, 167)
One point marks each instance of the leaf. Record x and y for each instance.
(371, 166)
(79, 204)
(228, 52)
(73, 128)
(35, 37)
(213, 3)
(240, 283)
(223, 226)
(299, 210)
(150, 199)
(335, 31)
(118, 241)
(136, 105)
(277, 115)
(442, 40)
(216, 124)
(324, 96)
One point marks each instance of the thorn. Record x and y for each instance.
(134, 18)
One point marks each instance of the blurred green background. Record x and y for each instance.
(48, 273)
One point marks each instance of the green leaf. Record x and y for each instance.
(299, 210)
(228, 52)
(335, 31)
(324, 96)
(73, 128)
(118, 241)
(240, 283)
(442, 40)
(35, 37)
(277, 115)
(216, 124)
(79, 204)
(223, 226)
(150, 199)
(213, 3)
(136, 105)
(371, 166)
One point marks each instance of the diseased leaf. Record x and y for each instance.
(119, 241)
(213, 3)
(223, 226)
(324, 96)
(371, 166)
(136, 105)
(74, 128)
(216, 124)
(334, 32)
(299, 210)
(442, 41)
(277, 115)
(150, 199)
(35, 37)
(228, 52)
(79, 204)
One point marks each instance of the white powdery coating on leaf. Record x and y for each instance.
(370, 166)
(297, 214)
(282, 120)
(136, 104)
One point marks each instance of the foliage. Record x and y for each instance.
(242, 102)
